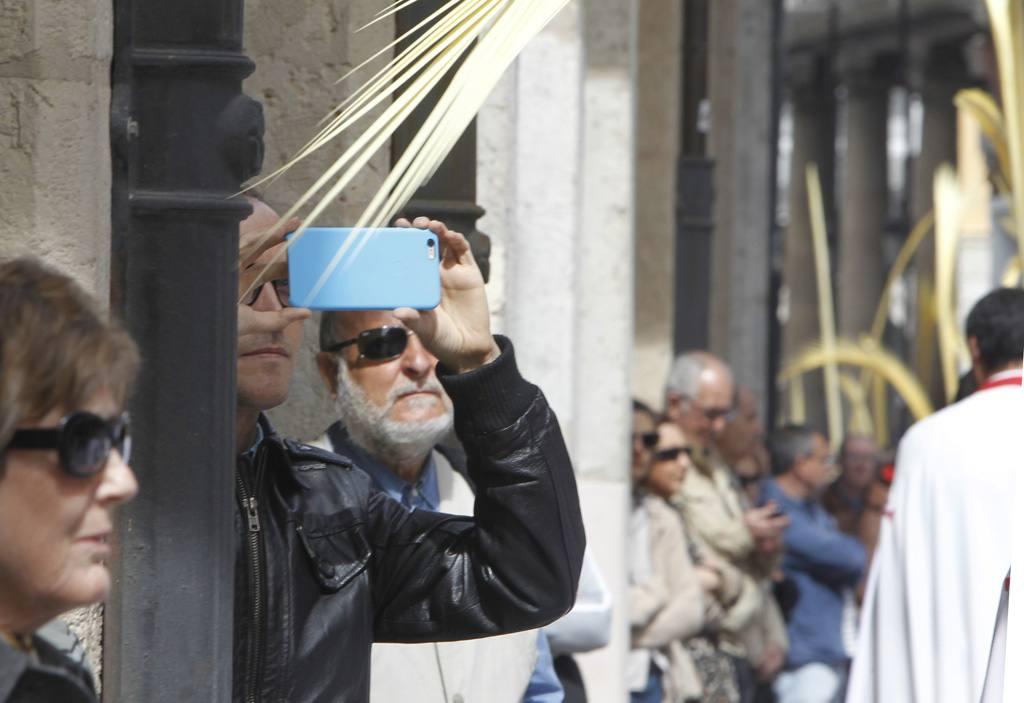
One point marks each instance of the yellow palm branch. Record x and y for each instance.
(826, 308)
(880, 362)
(1006, 18)
(982, 107)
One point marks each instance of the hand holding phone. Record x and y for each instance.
(458, 332)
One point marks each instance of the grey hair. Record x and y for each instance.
(790, 444)
(684, 376)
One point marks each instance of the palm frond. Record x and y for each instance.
(486, 36)
(826, 308)
(879, 361)
(1006, 18)
(983, 109)
(949, 208)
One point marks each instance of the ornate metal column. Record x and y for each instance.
(183, 139)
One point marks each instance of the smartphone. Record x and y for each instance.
(341, 268)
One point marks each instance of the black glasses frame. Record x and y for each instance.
(282, 289)
(378, 343)
(74, 438)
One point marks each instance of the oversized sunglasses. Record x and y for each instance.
(83, 441)
(672, 453)
(282, 289)
(377, 344)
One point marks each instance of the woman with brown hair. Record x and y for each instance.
(65, 372)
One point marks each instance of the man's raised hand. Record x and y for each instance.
(458, 331)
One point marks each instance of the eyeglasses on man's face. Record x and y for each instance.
(378, 343)
(83, 441)
(712, 414)
(282, 289)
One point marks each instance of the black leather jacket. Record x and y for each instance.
(327, 565)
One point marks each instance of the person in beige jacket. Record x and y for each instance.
(700, 399)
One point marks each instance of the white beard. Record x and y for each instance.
(392, 442)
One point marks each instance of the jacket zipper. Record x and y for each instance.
(250, 507)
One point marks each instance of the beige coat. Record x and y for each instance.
(489, 670)
(668, 606)
(712, 507)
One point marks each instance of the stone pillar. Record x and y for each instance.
(559, 200)
(812, 110)
(657, 147)
(604, 321)
(301, 48)
(740, 143)
(860, 260)
(55, 156)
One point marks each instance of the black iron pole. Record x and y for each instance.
(183, 138)
(450, 195)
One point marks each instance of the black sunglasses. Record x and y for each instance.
(672, 453)
(83, 441)
(648, 439)
(377, 344)
(282, 288)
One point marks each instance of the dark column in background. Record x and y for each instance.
(694, 185)
(450, 195)
(183, 139)
(812, 103)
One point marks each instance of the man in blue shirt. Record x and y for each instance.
(393, 417)
(824, 563)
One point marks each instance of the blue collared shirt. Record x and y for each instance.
(422, 495)
(822, 561)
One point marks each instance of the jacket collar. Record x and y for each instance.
(47, 660)
(13, 663)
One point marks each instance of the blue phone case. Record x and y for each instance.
(373, 269)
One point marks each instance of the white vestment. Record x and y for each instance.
(943, 553)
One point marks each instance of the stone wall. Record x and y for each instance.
(54, 145)
(55, 157)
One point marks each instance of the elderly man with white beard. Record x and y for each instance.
(393, 417)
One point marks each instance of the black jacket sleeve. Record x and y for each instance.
(515, 564)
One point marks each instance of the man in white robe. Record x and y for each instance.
(933, 594)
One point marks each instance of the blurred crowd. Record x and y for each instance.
(748, 551)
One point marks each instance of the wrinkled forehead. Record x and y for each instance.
(349, 323)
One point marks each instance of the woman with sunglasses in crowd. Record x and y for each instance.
(666, 606)
(725, 593)
(65, 372)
